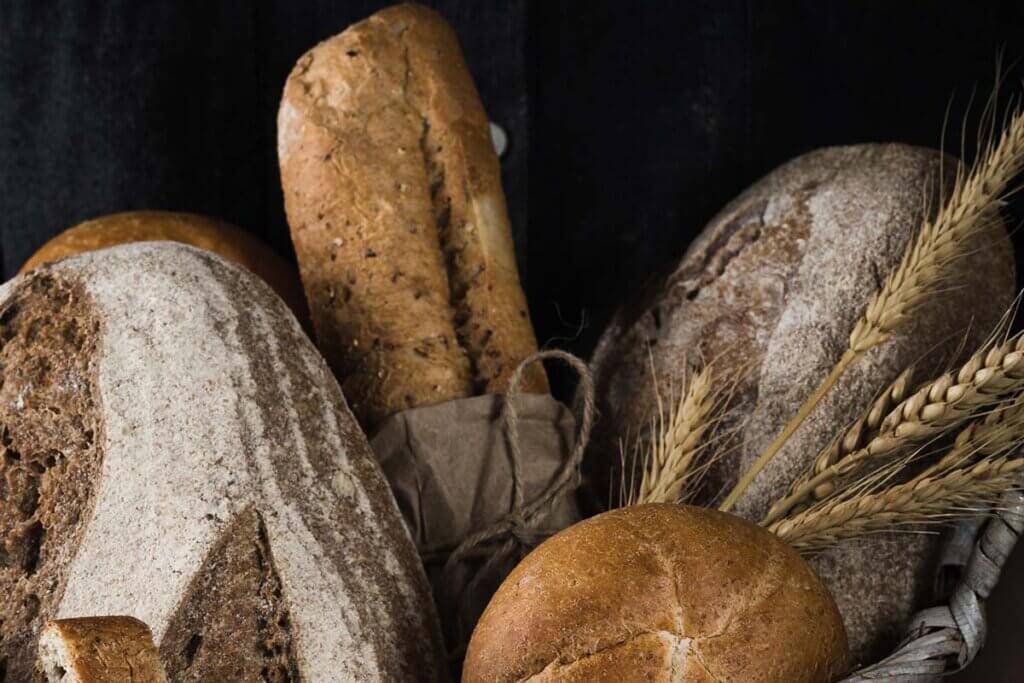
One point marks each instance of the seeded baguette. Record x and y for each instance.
(99, 650)
(393, 194)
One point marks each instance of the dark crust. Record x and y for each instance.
(232, 624)
(622, 360)
(49, 439)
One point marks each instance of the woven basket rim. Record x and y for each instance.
(945, 639)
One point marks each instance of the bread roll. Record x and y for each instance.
(99, 650)
(221, 238)
(173, 449)
(660, 593)
(393, 194)
(770, 292)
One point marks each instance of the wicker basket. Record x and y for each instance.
(945, 639)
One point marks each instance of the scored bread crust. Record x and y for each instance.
(393, 194)
(672, 593)
(114, 649)
(224, 239)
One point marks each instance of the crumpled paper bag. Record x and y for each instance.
(451, 469)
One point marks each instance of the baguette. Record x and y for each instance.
(174, 449)
(393, 194)
(99, 650)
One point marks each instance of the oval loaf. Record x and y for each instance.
(175, 450)
(771, 290)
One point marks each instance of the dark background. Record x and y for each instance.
(631, 123)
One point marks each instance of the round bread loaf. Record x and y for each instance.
(770, 291)
(223, 239)
(660, 593)
(174, 449)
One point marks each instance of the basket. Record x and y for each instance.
(945, 639)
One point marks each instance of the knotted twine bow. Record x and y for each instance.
(520, 527)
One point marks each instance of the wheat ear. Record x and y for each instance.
(995, 434)
(969, 209)
(989, 377)
(676, 438)
(856, 438)
(924, 499)
(673, 456)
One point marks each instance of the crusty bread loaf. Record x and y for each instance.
(393, 194)
(99, 650)
(664, 593)
(221, 238)
(771, 290)
(175, 450)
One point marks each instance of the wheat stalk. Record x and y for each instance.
(672, 454)
(990, 376)
(970, 208)
(866, 428)
(924, 499)
(851, 442)
(675, 441)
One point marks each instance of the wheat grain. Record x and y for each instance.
(996, 433)
(988, 378)
(685, 438)
(850, 442)
(971, 208)
(677, 437)
(867, 427)
(924, 499)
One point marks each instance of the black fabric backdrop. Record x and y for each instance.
(631, 123)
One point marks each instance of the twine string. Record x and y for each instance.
(518, 528)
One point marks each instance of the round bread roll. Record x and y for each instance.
(660, 593)
(223, 239)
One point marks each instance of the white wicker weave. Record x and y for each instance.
(942, 640)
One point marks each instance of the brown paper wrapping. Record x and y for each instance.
(450, 467)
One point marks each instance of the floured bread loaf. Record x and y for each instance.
(99, 650)
(393, 195)
(175, 450)
(771, 290)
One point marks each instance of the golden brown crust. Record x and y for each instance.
(472, 218)
(708, 595)
(100, 650)
(393, 195)
(223, 239)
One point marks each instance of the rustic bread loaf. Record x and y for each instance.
(771, 290)
(99, 650)
(175, 450)
(666, 593)
(393, 194)
(221, 238)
